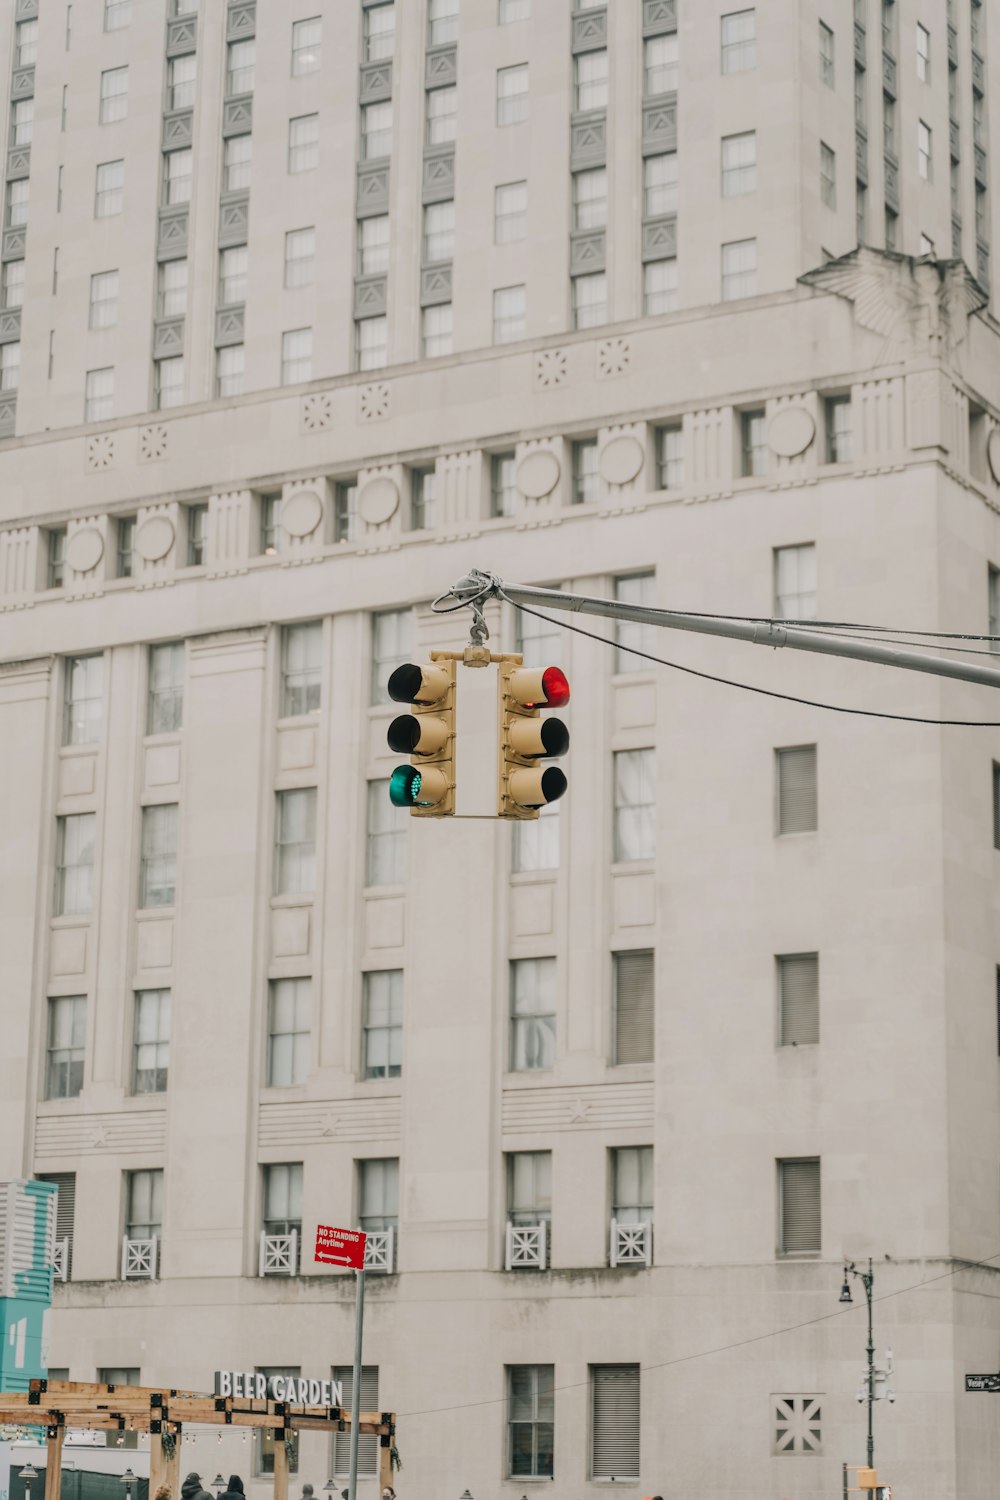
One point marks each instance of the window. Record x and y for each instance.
(165, 704)
(442, 115)
(181, 75)
(99, 395)
(739, 164)
(634, 1007)
(345, 511)
(798, 999)
(83, 703)
(635, 805)
(889, 26)
(10, 366)
(237, 153)
(632, 1184)
(530, 1421)
(373, 245)
(889, 124)
(229, 370)
(439, 231)
(795, 582)
(860, 99)
(636, 588)
(64, 1051)
(590, 199)
(307, 37)
(168, 381)
(826, 57)
(26, 43)
(295, 843)
(233, 264)
(861, 213)
(739, 41)
(924, 150)
(380, 32)
(124, 546)
(797, 1424)
(104, 299)
(926, 245)
(240, 58)
(367, 1443)
(301, 669)
(503, 484)
(891, 218)
(303, 143)
(839, 430)
(670, 456)
(386, 864)
(197, 523)
(585, 477)
(659, 58)
(590, 80)
(513, 10)
(799, 1220)
(158, 868)
(739, 270)
(151, 1042)
(282, 1197)
(923, 54)
(590, 300)
(614, 1399)
(371, 347)
(659, 184)
(264, 1436)
(378, 1194)
(117, 13)
(171, 288)
(382, 1026)
(795, 790)
(300, 256)
(509, 317)
(110, 189)
(184, 8)
(376, 130)
(74, 893)
(270, 524)
(827, 175)
(437, 330)
(288, 1037)
(979, 120)
(536, 841)
(56, 559)
(423, 499)
(753, 433)
(442, 22)
(512, 94)
(529, 1187)
(17, 203)
(510, 212)
(65, 1184)
(296, 356)
(13, 284)
(392, 642)
(537, 639)
(22, 120)
(144, 1211)
(532, 1014)
(177, 176)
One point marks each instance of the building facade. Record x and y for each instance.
(320, 306)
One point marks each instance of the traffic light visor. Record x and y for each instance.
(417, 734)
(534, 787)
(412, 786)
(539, 687)
(412, 684)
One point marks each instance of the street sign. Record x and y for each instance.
(340, 1247)
(982, 1383)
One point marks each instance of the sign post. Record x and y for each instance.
(346, 1247)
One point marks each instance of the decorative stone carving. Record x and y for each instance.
(152, 443)
(373, 402)
(378, 501)
(613, 358)
(621, 459)
(316, 412)
(84, 549)
(301, 513)
(100, 452)
(790, 431)
(154, 538)
(537, 474)
(550, 369)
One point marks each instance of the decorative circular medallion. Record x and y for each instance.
(537, 474)
(301, 512)
(790, 431)
(154, 538)
(84, 549)
(621, 459)
(378, 501)
(993, 453)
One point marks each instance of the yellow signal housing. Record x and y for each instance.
(427, 734)
(526, 739)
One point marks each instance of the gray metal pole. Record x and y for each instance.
(359, 1325)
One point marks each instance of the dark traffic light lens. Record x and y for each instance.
(403, 733)
(555, 736)
(553, 783)
(404, 683)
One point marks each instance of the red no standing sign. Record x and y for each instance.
(340, 1247)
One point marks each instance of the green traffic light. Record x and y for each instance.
(404, 786)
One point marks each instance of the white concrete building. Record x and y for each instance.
(573, 295)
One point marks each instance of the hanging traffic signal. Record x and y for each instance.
(427, 734)
(527, 740)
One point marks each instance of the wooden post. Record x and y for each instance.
(163, 1470)
(280, 1465)
(385, 1466)
(53, 1463)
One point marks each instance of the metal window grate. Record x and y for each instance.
(634, 1024)
(800, 1218)
(615, 1421)
(798, 999)
(796, 789)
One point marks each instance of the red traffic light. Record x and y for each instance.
(533, 687)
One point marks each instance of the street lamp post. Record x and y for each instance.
(867, 1279)
(28, 1473)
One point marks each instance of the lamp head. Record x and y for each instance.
(845, 1290)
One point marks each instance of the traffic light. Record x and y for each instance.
(527, 740)
(427, 734)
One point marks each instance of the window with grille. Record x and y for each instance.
(536, 842)
(301, 668)
(151, 1042)
(798, 999)
(380, 32)
(165, 706)
(510, 212)
(739, 164)
(230, 366)
(614, 1422)
(65, 1184)
(503, 484)
(264, 1436)
(826, 54)
(300, 257)
(585, 476)
(753, 445)
(799, 1219)
(237, 154)
(307, 37)
(382, 1024)
(660, 56)
(376, 130)
(296, 356)
(509, 314)
(168, 382)
(638, 589)
(530, 1421)
(67, 1034)
(303, 143)
(74, 888)
(240, 63)
(392, 643)
(181, 78)
(590, 80)
(288, 1032)
(114, 95)
(423, 499)
(827, 175)
(442, 115)
(795, 582)
(439, 231)
(371, 343)
(387, 829)
(437, 329)
(295, 843)
(367, 1442)
(99, 395)
(177, 169)
(797, 1424)
(634, 1009)
(532, 1014)
(632, 1184)
(635, 805)
(158, 867)
(529, 1187)
(171, 288)
(124, 546)
(660, 287)
(839, 430)
(83, 701)
(739, 270)
(795, 770)
(378, 1193)
(512, 94)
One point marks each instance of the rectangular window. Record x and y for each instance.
(590, 80)
(585, 475)
(382, 1025)
(296, 356)
(590, 198)
(512, 94)
(307, 37)
(371, 343)
(639, 589)
(182, 73)
(380, 32)
(10, 366)
(67, 1035)
(796, 799)
(437, 330)
(22, 122)
(99, 395)
(891, 218)
(795, 582)
(924, 150)
(509, 315)
(530, 1421)
(301, 669)
(632, 1184)
(529, 1187)
(839, 430)
(151, 1042)
(442, 115)
(65, 1185)
(288, 1032)
(827, 175)
(660, 184)
(237, 153)
(282, 1196)
(376, 130)
(165, 703)
(117, 14)
(739, 164)
(367, 1443)
(826, 55)
(439, 231)
(923, 54)
(197, 531)
(423, 499)
(513, 10)
(503, 484)
(510, 212)
(392, 643)
(798, 999)
(110, 189)
(739, 270)
(860, 98)
(300, 257)
(158, 869)
(373, 245)
(861, 213)
(229, 369)
(177, 168)
(739, 41)
(442, 22)
(26, 44)
(536, 842)
(614, 1421)
(670, 457)
(83, 703)
(378, 1193)
(171, 288)
(532, 1014)
(659, 64)
(590, 300)
(660, 287)
(635, 805)
(634, 1007)
(74, 890)
(233, 267)
(303, 143)
(345, 511)
(56, 558)
(168, 382)
(124, 546)
(240, 62)
(104, 299)
(387, 827)
(144, 1205)
(799, 1218)
(13, 284)
(753, 442)
(295, 843)
(889, 124)
(17, 203)
(270, 525)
